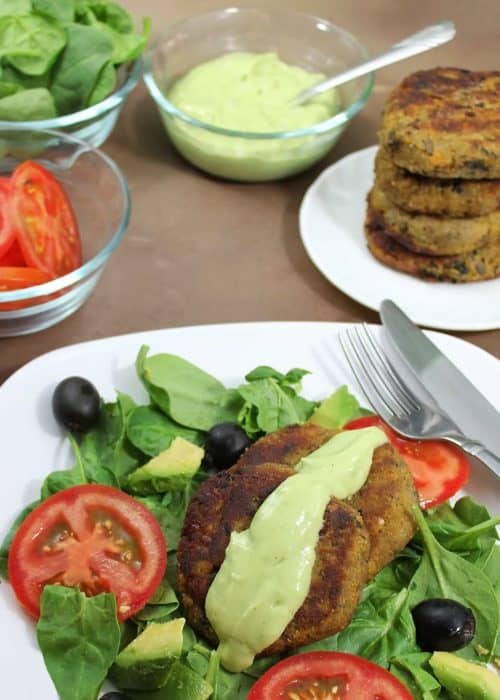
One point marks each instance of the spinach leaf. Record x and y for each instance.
(108, 456)
(117, 17)
(104, 85)
(444, 574)
(11, 75)
(30, 43)
(381, 628)
(79, 638)
(28, 105)
(337, 409)
(63, 479)
(7, 89)
(4, 548)
(161, 606)
(170, 510)
(75, 75)
(126, 47)
(60, 10)
(15, 7)
(414, 671)
(151, 431)
(270, 405)
(292, 377)
(226, 686)
(185, 392)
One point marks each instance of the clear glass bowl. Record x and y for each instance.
(93, 124)
(309, 42)
(100, 198)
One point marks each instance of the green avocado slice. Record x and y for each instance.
(463, 679)
(169, 470)
(146, 662)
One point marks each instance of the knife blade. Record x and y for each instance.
(444, 382)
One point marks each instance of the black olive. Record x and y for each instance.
(113, 695)
(76, 404)
(225, 442)
(443, 624)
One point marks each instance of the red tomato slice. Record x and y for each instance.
(20, 277)
(93, 537)
(439, 469)
(318, 675)
(46, 225)
(7, 231)
(13, 257)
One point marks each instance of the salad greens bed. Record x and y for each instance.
(454, 555)
(60, 56)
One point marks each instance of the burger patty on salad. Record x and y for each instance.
(385, 501)
(227, 502)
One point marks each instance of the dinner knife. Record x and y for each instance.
(451, 390)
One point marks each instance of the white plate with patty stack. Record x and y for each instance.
(34, 444)
(332, 218)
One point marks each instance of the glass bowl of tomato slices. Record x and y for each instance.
(64, 208)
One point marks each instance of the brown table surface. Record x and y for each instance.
(200, 250)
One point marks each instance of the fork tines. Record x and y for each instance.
(384, 389)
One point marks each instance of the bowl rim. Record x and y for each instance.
(321, 127)
(90, 266)
(89, 113)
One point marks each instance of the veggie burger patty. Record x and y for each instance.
(482, 263)
(385, 500)
(227, 502)
(434, 235)
(359, 536)
(445, 122)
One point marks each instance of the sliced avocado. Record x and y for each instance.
(146, 662)
(463, 679)
(185, 684)
(169, 470)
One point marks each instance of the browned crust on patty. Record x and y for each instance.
(394, 524)
(385, 504)
(480, 264)
(452, 197)
(433, 235)
(227, 503)
(286, 446)
(445, 122)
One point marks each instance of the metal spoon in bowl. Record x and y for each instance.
(428, 38)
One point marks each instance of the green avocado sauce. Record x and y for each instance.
(251, 92)
(266, 573)
(248, 92)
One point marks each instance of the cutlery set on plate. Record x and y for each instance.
(460, 414)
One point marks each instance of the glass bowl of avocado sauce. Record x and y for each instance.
(224, 84)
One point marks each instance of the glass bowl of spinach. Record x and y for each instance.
(68, 65)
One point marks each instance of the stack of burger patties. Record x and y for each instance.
(434, 209)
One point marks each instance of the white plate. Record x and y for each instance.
(33, 444)
(331, 227)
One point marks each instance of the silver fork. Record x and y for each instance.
(396, 404)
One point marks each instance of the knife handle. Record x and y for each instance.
(478, 450)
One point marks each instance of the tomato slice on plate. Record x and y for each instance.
(321, 675)
(439, 469)
(7, 231)
(41, 212)
(93, 537)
